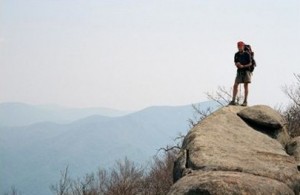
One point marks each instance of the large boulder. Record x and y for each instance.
(225, 155)
(228, 182)
(262, 115)
(266, 120)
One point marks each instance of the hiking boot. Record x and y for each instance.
(244, 104)
(232, 103)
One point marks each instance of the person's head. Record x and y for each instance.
(241, 45)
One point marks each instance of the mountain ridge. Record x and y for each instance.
(43, 149)
(22, 114)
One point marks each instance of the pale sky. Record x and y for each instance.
(128, 54)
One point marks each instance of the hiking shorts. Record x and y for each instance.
(243, 77)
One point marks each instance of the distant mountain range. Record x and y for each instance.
(33, 155)
(21, 114)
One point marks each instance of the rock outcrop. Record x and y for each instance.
(236, 150)
(266, 120)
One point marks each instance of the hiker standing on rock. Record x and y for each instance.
(243, 62)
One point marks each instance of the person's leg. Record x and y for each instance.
(246, 91)
(246, 85)
(237, 81)
(235, 91)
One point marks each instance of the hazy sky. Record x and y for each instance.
(129, 54)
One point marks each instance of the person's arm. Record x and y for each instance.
(238, 65)
(236, 62)
(247, 65)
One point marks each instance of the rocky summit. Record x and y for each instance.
(238, 150)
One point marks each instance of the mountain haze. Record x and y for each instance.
(21, 114)
(35, 154)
